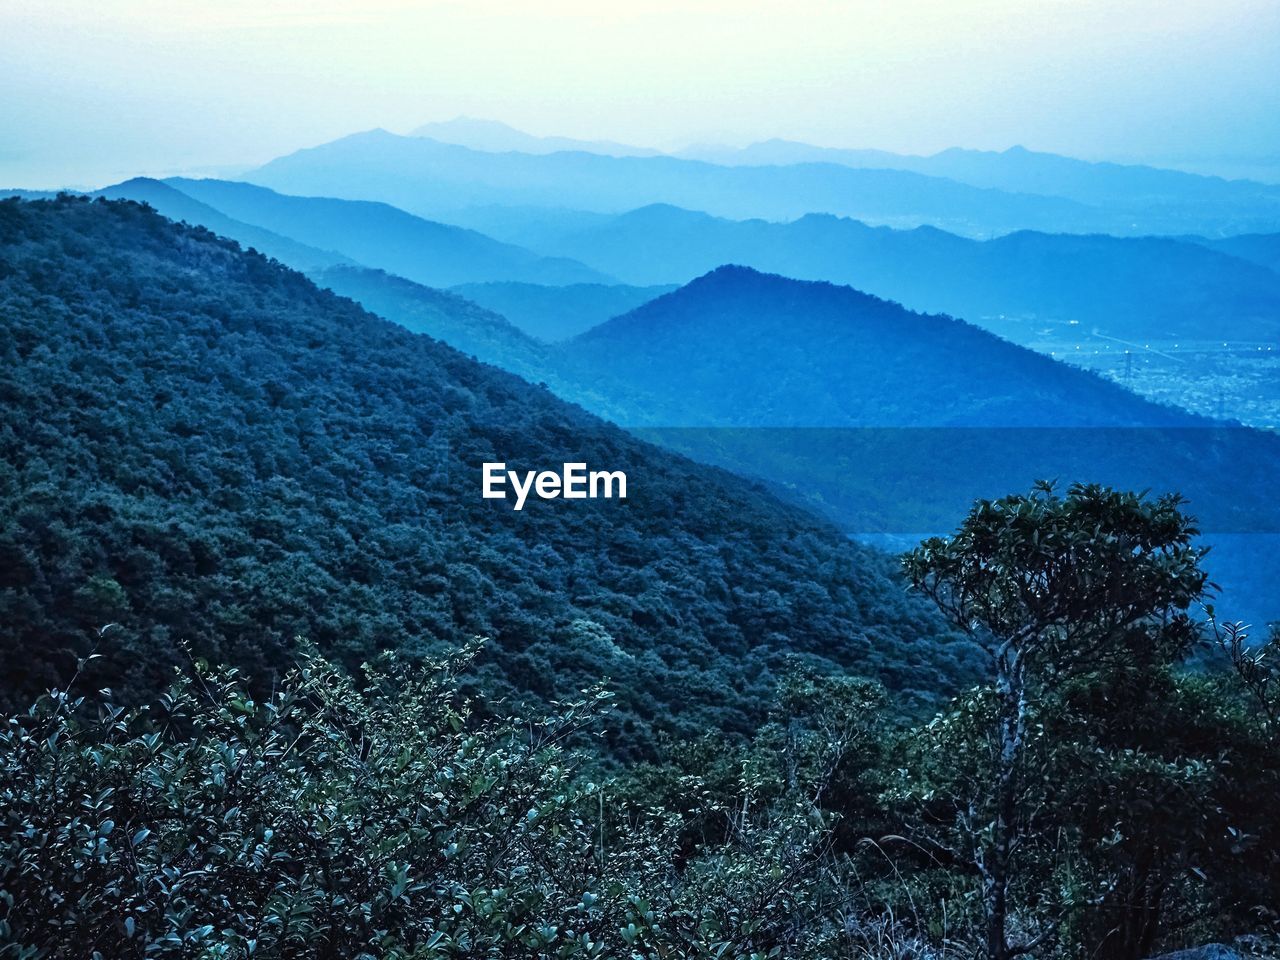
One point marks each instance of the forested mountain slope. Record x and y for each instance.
(200, 445)
(446, 316)
(382, 236)
(176, 205)
(742, 348)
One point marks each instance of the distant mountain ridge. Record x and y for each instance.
(738, 347)
(379, 235)
(494, 137)
(431, 179)
(558, 313)
(1070, 195)
(1017, 169)
(1126, 287)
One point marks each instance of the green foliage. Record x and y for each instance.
(251, 459)
(1089, 786)
(392, 818)
(1063, 583)
(378, 821)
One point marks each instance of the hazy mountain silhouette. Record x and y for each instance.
(742, 348)
(459, 322)
(558, 313)
(1125, 287)
(177, 205)
(1260, 248)
(379, 235)
(431, 178)
(1143, 191)
(495, 137)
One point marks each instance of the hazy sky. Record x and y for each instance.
(92, 91)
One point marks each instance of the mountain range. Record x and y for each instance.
(967, 192)
(437, 180)
(1127, 287)
(1133, 289)
(1017, 169)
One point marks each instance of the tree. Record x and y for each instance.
(1257, 667)
(1052, 587)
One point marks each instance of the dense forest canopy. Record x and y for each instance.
(200, 445)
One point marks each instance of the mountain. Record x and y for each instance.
(378, 235)
(494, 137)
(888, 421)
(199, 445)
(435, 179)
(1260, 248)
(1132, 287)
(177, 205)
(741, 348)
(893, 422)
(558, 313)
(1143, 191)
(464, 325)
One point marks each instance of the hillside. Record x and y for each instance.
(200, 445)
(381, 236)
(1260, 248)
(890, 421)
(1141, 287)
(176, 205)
(558, 313)
(741, 348)
(459, 322)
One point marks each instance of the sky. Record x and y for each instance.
(94, 91)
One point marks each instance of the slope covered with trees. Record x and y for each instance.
(446, 316)
(385, 237)
(1095, 799)
(201, 446)
(741, 348)
(885, 420)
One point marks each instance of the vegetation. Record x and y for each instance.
(393, 816)
(202, 446)
(213, 457)
(1054, 588)
(337, 821)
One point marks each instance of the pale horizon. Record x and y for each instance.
(98, 93)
